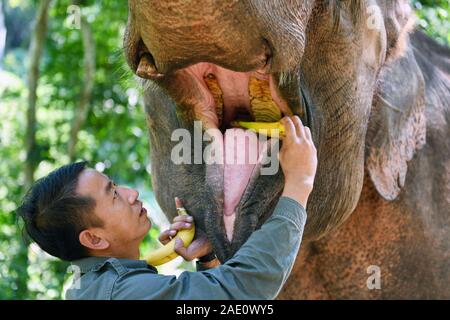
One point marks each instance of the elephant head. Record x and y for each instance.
(216, 61)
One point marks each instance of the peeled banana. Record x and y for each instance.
(167, 252)
(262, 127)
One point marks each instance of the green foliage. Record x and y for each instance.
(12, 113)
(434, 18)
(113, 139)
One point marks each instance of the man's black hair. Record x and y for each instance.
(54, 214)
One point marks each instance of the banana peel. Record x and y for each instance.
(167, 252)
(265, 128)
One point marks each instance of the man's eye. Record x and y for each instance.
(115, 194)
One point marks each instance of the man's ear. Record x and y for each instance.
(92, 241)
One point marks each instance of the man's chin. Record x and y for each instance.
(149, 224)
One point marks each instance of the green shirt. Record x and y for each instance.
(258, 270)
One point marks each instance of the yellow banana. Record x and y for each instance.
(167, 252)
(262, 127)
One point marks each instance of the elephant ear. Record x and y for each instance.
(397, 126)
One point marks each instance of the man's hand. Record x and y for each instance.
(298, 159)
(198, 248)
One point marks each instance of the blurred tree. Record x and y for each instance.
(434, 18)
(87, 87)
(35, 53)
(112, 138)
(2, 33)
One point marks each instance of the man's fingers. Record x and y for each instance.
(198, 248)
(183, 218)
(180, 225)
(181, 250)
(290, 128)
(178, 203)
(308, 134)
(299, 127)
(166, 236)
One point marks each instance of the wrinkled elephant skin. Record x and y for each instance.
(376, 94)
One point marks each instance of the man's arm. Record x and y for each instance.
(261, 266)
(257, 271)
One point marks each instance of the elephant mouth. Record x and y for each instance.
(227, 96)
(218, 97)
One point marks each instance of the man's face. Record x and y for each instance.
(125, 221)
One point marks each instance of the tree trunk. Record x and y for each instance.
(35, 53)
(81, 112)
(32, 155)
(2, 34)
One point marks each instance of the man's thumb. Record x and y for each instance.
(180, 249)
(179, 246)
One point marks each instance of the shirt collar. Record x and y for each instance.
(96, 263)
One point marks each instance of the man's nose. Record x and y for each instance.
(132, 195)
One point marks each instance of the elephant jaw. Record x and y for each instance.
(221, 97)
(226, 96)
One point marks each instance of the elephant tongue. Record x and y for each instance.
(242, 152)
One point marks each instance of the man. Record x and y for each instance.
(80, 215)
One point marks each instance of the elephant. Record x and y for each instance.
(375, 92)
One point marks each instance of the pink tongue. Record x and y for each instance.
(242, 152)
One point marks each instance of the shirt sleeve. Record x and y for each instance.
(258, 270)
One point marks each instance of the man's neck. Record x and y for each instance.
(119, 254)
